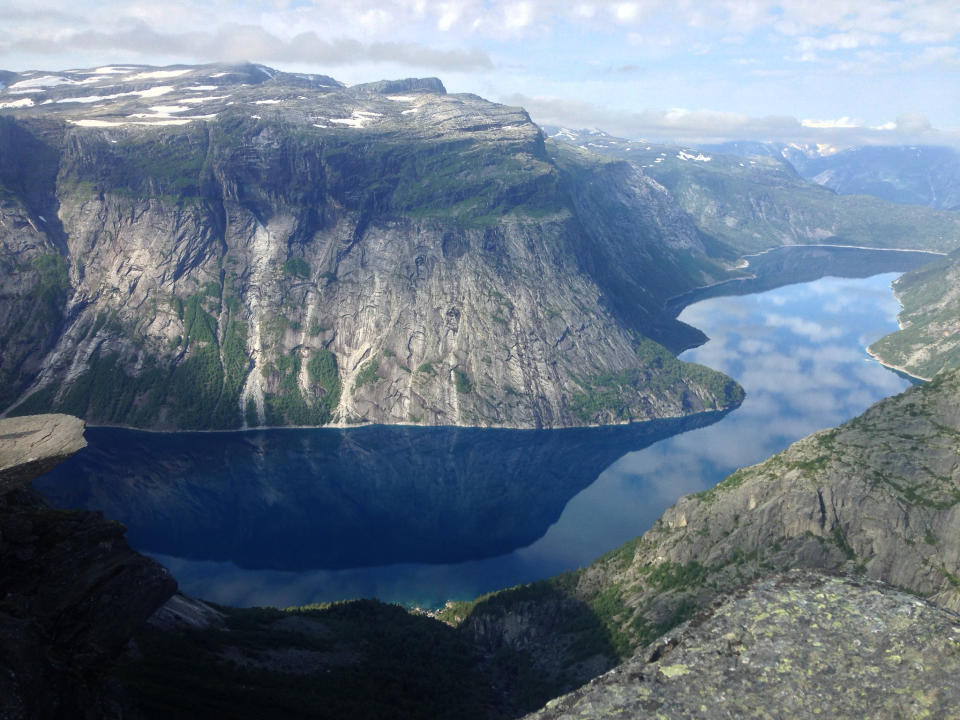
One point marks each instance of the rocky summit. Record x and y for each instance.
(795, 645)
(222, 246)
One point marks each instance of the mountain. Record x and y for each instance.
(929, 337)
(752, 203)
(228, 245)
(916, 175)
(874, 497)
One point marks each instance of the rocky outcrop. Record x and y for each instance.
(795, 645)
(35, 444)
(929, 336)
(295, 252)
(72, 592)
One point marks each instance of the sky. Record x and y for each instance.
(843, 72)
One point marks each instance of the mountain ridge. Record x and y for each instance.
(221, 264)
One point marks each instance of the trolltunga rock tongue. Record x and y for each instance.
(34, 444)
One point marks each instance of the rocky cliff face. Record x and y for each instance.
(796, 645)
(878, 496)
(72, 592)
(269, 249)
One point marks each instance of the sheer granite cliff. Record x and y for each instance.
(274, 249)
(72, 592)
(878, 496)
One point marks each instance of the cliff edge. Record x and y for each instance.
(72, 591)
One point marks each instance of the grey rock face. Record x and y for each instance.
(299, 253)
(794, 645)
(32, 445)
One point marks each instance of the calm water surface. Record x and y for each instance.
(423, 515)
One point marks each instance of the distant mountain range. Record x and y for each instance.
(923, 175)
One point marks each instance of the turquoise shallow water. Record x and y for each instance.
(423, 515)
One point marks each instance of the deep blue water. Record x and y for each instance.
(423, 515)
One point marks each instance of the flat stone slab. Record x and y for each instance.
(33, 444)
(798, 645)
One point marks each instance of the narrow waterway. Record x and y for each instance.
(423, 515)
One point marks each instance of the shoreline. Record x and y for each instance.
(891, 366)
(743, 263)
(343, 426)
(849, 247)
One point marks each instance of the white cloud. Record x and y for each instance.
(249, 42)
(839, 41)
(679, 125)
(843, 122)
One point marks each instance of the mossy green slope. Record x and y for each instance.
(929, 337)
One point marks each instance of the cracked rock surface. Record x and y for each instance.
(799, 644)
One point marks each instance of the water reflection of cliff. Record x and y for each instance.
(312, 499)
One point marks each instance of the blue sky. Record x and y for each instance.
(833, 71)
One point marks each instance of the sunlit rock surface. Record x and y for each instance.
(795, 645)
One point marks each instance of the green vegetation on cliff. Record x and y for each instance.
(619, 396)
(929, 337)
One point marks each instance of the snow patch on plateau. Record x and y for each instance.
(358, 119)
(205, 98)
(150, 92)
(168, 109)
(157, 74)
(43, 81)
(699, 157)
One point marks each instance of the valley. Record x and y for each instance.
(384, 341)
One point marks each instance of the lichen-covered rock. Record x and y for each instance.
(797, 645)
